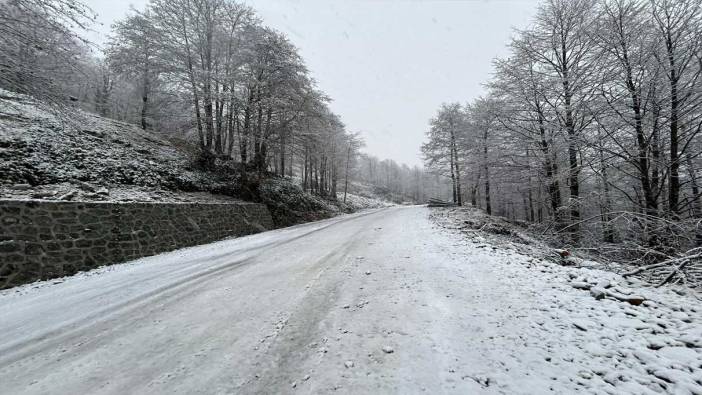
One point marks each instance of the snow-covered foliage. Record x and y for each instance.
(522, 236)
(357, 202)
(290, 205)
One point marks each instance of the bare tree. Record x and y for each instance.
(441, 149)
(678, 27)
(559, 43)
(133, 53)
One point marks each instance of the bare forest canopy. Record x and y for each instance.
(589, 129)
(206, 71)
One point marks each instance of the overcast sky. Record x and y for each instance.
(387, 64)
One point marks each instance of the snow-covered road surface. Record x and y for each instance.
(376, 302)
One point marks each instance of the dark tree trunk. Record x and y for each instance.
(459, 198)
(486, 169)
(674, 182)
(346, 180)
(574, 169)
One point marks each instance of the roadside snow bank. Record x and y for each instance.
(605, 344)
(592, 329)
(358, 202)
(519, 236)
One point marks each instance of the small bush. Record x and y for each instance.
(290, 205)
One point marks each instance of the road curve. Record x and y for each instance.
(356, 304)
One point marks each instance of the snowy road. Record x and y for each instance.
(377, 302)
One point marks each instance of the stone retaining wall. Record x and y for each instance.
(46, 239)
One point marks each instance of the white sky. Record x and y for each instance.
(387, 64)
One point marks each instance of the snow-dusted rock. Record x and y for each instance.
(580, 285)
(598, 292)
(635, 300)
(604, 284)
(581, 324)
(68, 196)
(86, 187)
(43, 194)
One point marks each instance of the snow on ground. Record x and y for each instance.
(476, 224)
(358, 202)
(385, 301)
(587, 327)
(573, 340)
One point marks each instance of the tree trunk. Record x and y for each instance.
(573, 175)
(488, 206)
(606, 205)
(244, 140)
(643, 164)
(551, 172)
(674, 182)
(144, 101)
(282, 153)
(346, 180)
(459, 199)
(453, 178)
(696, 203)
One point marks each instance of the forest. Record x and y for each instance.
(207, 72)
(589, 130)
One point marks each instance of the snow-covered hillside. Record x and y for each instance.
(88, 157)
